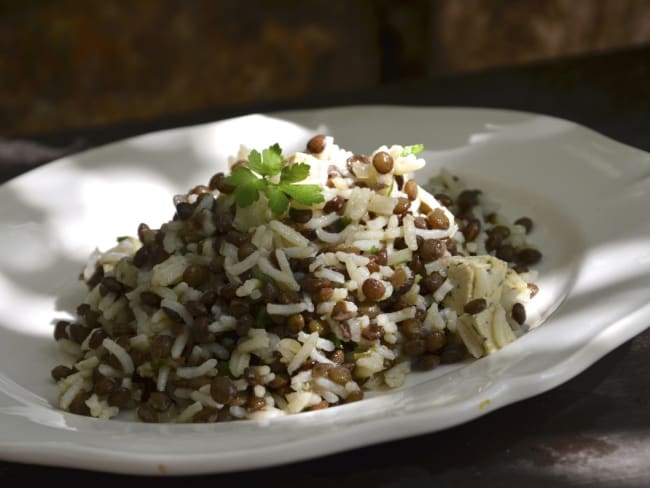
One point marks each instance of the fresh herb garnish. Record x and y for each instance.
(268, 164)
(414, 149)
(374, 250)
(122, 238)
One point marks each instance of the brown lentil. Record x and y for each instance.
(506, 252)
(148, 414)
(472, 229)
(414, 347)
(340, 312)
(245, 250)
(321, 369)
(526, 223)
(399, 279)
(533, 289)
(444, 200)
(280, 380)
(161, 346)
(499, 231)
(196, 308)
(529, 256)
(373, 267)
(150, 298)
(432, 282)
(112, 284)
(411, 189)
(381, 258)
(354, 396)
(372, 332)
(61, 371)
(119, 397)
(318, 326)
(340, 375)
(420, 223)
(184, 210)
(435, 340)
(518, 313)
(295, 323)
(78, 404)
(256, 403)
(437, 219)
(316, 144)
(468, 199)
(453, 353)
(324, 294)
(432, 249)
(337, 356)
(401, 206)
(78, 332)
(373, 289)
(426, 362)
(196, 275)
(104, 386)
(60, 330)
(383, 162)
(475, 306)
(336, 204)
(96, 339)
(411, 328)
(222, 390)
(300, 216)
(141, 257)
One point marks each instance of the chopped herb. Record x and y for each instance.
(268, 164)
(374, 250)
(345, 221)
(262, 320)
(223, 369)
(414, 149)
(122, 238)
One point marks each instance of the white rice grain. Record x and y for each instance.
(289, 309)
(179, 344)
(289, 234)
(205, 369)
(304, 352)
(440, 294)
(120, 354)
(189, 412)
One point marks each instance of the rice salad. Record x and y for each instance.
(295, 283)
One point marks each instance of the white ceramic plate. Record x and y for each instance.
(588, 195)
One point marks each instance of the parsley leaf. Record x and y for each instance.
(267, 164)
(240, 176)
(278, 201)
(414, 149)
(304, 194)
(246, 195)
(294, 173)
(374, 250)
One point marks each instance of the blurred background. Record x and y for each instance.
(74, 63)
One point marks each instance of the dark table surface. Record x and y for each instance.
(592, 431)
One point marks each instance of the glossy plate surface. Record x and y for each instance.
(587, 194)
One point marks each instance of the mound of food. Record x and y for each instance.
(295, 283)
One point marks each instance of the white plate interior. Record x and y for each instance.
(588, 196)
